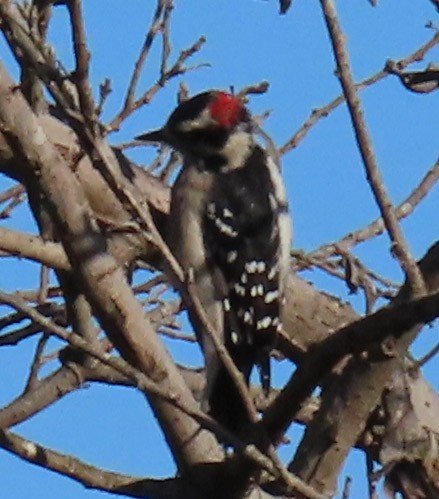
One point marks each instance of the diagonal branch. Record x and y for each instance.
(88, 475)
(248, 451)
(177, 69)
(391, 321)
(377, 227)
(82, 56)
(400, 245)
(33, 247)
(102, 280)
(343, 414)
(323, 112)
(144, 52)
(117, 483)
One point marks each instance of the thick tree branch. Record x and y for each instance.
(88, 475)
(391, 321)
(343, 414)
(248, 451)
(34, 248)
(103, 281)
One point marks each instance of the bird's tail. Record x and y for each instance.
(227, 406)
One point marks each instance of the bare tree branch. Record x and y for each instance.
(90, 476)
(103, 220)
(104, 283)
(147, 44)
(400, 245)
(159, 23)
(377, 227)
(82, 56)
(324, 111)
(33, 247)
(387, 322)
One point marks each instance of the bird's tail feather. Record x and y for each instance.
(227, 406)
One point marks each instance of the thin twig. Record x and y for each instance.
(166, 43)
(6, 212)
(105, 90)
(172, 164)
(347, 488)
(258, 88)
(371, 478)
(145, 384)
(44, 284)
(144, 52)
(323, 112)
(14, 337)
(15, 195)
(36, 363)
(42, 61)
(376, 227)
(226, 360)
(177, 69)
(400, 245)
(12, 192)
(82, 56)
(188, 337)
(428, 356)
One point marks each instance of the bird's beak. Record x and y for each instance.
(154, 136)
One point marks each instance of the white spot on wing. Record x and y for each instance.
(271, 296)
(264, 323)
(255, 266)
(261, 267)
(211, 210)
(226, 304)
(248, 319)
(250, 267)
(224, 228)
(227, 213)
(239, 290)
(231, 256)
(257, 290)
(273, 272)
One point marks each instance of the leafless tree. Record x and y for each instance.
(101, 218)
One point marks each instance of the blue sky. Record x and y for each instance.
(247, 41)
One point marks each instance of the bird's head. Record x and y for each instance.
(202, 127)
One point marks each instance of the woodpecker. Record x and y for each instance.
(229, 226)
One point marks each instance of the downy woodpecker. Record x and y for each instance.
(229, 226)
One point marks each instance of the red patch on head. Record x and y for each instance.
(226, 109)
